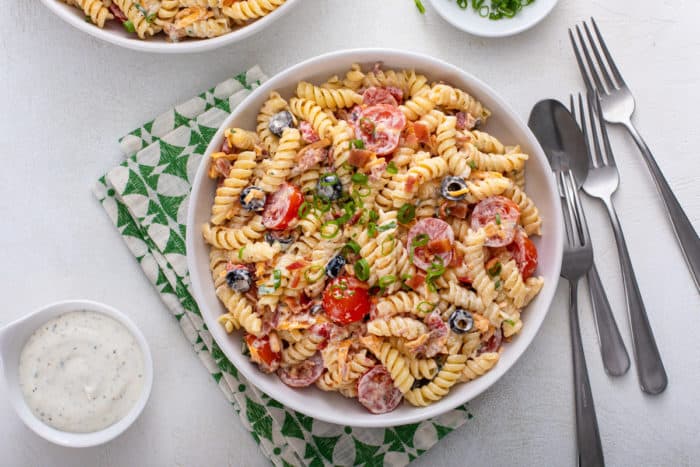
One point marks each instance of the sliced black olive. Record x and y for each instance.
(453, 184)
(329, 187)
(280, 122)
(334, 266)
(461, 321)
(239, 279)
(253, 198)
(284, 238)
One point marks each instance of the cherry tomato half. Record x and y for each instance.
(282, 207)
(346, 300)
(500, 211)
(524, 253)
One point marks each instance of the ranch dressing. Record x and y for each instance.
(81, 372)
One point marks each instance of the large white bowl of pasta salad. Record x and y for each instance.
(374, 237)
(170, 26)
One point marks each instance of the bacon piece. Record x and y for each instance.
(452, 208)
(117, 12)
(311, 155)
(359, 157)
(439, 245)
(411, 181)
(466, 121)
(395, 92)
(422, 132)
(308, 134)
(416, 281)
(296, 265)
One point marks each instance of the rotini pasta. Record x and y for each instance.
(380, 278)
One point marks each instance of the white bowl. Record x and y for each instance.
(504, 123)
(115, 33)
(12, 340)
(469, 21)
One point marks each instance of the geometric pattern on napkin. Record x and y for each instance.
(146, 197)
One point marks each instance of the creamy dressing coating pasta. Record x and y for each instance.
(176, 19)
(371, 238)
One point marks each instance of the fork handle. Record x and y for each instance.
(650, 368)
(588, 445)
(612, 348)
(685, 233)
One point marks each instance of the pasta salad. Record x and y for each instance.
(370, 239)
(177, 19)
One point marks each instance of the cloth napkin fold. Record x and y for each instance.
(146, 197)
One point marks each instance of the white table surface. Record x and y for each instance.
(66, 97)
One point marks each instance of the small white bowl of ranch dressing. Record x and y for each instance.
(78, 372)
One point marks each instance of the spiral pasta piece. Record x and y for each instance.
(227, 193)
(427, 170)
(452, 98)
(302, 350)
(474, 259)
(233, 238)
(141, 25)
(274, 104)
(422, 368)
(95, 10)
(439, 387)
(417, 106)
(392, 360)
(308, 110)
(398, 326)
(496, 162)
(485, 142)
(332, 99)
(283, 161)
(479, 366)
(240, 310)
(529, 214)
(402, 302)
(247, 10)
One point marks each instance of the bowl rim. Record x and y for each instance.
(64, 12)
(507, 32)
(49, 433)
(364, 55)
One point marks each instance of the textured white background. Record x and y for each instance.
(66, 98)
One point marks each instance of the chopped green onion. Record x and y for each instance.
(386, 281)
(240, 252)
(276, 278)
(387, 226)
(362, 270)
(497, 285)
(304, 209)
(150, 18)
(360, 178)
(406, 213)
(372, 229)
(357, 144)
(472, 164)
(425, 307)
(308, 273)
(420, 7)
(418, 241)
(388, 245)
(321, 204)
(495, 270)
(392, 169)
(364, 120)
(129, 26)
(509, 321)
(498, 218)
(353, 245)
(373, 215)
(330, 229)
(435, 270)
(363, 192)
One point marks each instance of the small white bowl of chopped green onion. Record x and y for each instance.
(490, 18)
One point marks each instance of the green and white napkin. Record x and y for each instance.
(146, 197)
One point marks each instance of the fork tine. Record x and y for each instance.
(568, 212)
(611, 62)
(585, 130)
(601, 63)
(594, 150)
(579, 60)
(589, 61)
(580, 216)
(608, 158)
(572, 107)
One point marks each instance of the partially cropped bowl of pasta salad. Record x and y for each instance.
(371, 239)
(169, 25)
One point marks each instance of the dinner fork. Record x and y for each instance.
(602, 181)
(617, 104)
(578, 259)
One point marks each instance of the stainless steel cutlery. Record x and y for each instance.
(601, 182)
(564, 144)
(602, 76)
